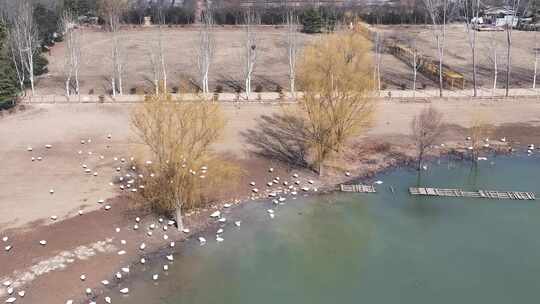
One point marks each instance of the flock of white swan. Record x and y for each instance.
(277, 190)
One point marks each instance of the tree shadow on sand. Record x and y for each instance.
(281, 137)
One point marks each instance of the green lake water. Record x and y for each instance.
(388, 247)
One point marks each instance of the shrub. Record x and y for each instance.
(258, 88)
(91, 92)
(219, 89)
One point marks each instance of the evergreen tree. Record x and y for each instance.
(8, 83)
(312, 21)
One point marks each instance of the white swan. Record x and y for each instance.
(215, 214)
(155, 277)
(238, 223)
(170, 257)
(124, 290)
(105, 282)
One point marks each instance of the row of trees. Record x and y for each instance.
(441, 12)
(205, 49)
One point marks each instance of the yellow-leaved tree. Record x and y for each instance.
(179, 137)
(335, 74)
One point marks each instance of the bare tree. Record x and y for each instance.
(438, 12)
(426, 129)
(493, 58)
(157, 56)
(206, 48)
(415, 65)
(536, 51)
(17, 57)
(378, 45)
(72, 55)
(251, 20)
(514, 5)
(471, 10)
(23, 40)
(293, 25)
(112, 11)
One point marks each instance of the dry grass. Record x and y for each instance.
(458, 55)
(180, 54)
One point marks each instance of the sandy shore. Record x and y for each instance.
(89, 244)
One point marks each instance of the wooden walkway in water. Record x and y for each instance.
(358, 188)
(510, 195)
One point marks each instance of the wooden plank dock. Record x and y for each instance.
(358, 188)
(510, 195)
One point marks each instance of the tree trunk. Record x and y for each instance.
(415, 67)
(420, 159)
(77, 85)
(67, 86)
(535, 69)
(508, 59)
(440, 66)
(179, 221)
(495, 71)
(475, 93)
(321, 168)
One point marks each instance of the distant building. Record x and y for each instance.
(500, 17)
